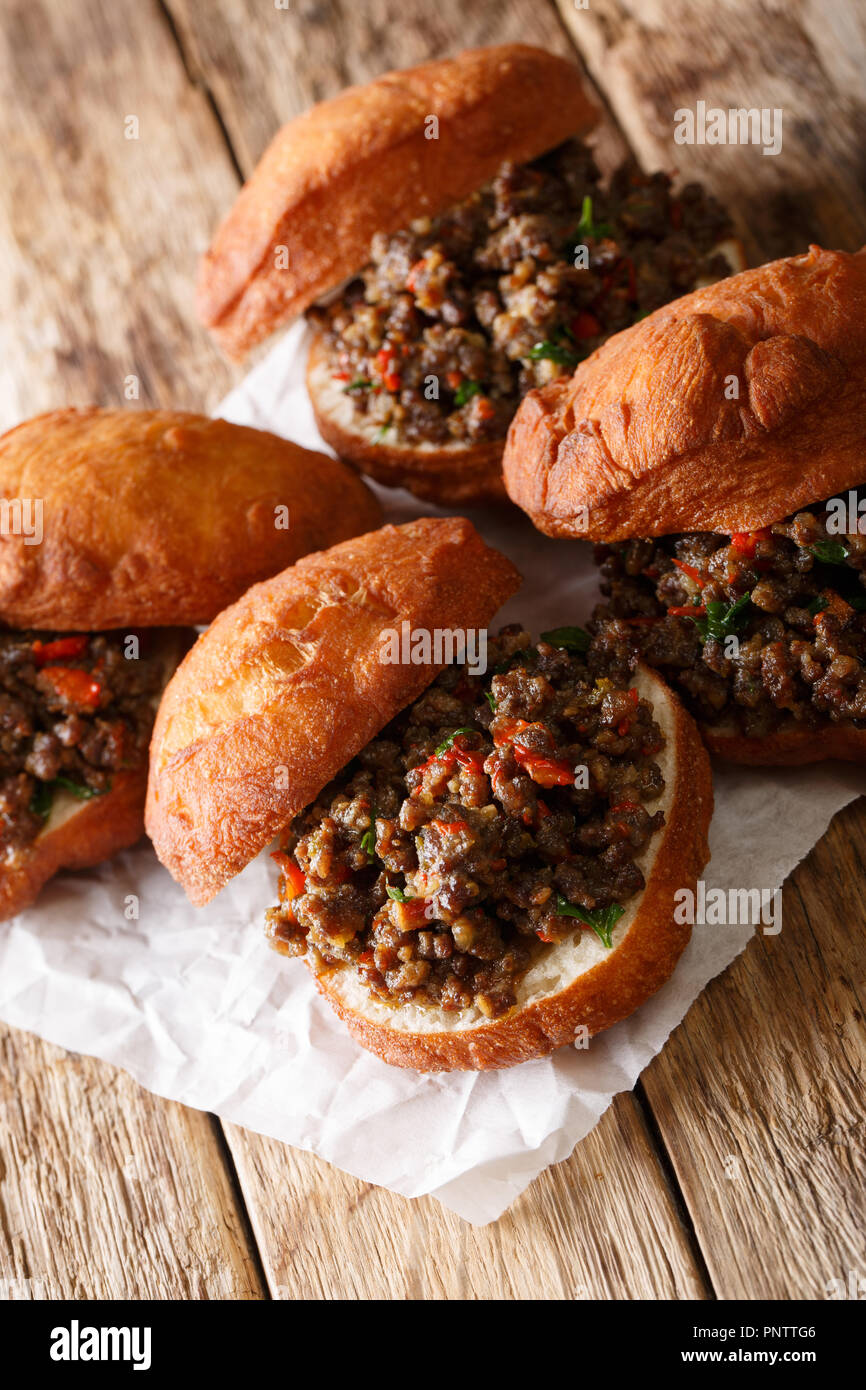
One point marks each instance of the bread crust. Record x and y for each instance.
(159, 517)
(610, 990)
(791, 746)
(94, 831)
(642, 440)
(287, 686)
(449, 475)
(363, 163)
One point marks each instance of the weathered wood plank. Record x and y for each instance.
(99, 234)
(263, 65)
(601, 1225)
(107, 1191)
(770, 1148)
(650, 59)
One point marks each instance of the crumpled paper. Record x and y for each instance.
(116, 963)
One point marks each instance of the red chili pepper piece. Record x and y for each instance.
(746, 542)
(689, 610)
(692, 572)
(74, 685)
(43, 652)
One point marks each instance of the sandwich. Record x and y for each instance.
(716, 453)
(449, 238)
(119, 530)
(478, 859)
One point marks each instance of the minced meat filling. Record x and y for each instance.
(73, 711)
(487, 299)
(757, 628)
(496, 816)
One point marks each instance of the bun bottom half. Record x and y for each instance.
(578, 983)
(77, 835)
(448, 474)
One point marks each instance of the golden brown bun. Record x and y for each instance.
(643, 437)
(449, 474)
(287, 686)
(361, 163)
(790, 746)
(579, 983)
(157, 517)
(79, 834)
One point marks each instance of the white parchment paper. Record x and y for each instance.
(198, 1008)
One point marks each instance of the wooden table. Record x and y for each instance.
(734, 1168)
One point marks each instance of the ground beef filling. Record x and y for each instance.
(754, 629)
(495, 817)
(74, 710)
(487, 299)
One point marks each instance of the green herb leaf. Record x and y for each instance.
(818, 605)
(83, 793)
(368, 839)
(554, 352)
(380, 434)
(586, 227)
(466, 390)
(829, 552)
(601, 920)
(361, 383)
(40, 801)
(491, 699)
(397, 894)
(446, 744)
(523, 654)
(573, 639)
(722, 619)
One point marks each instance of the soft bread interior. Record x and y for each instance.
(558, 966)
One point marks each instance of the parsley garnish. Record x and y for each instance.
(818, 605)
(368, 839)
(491, 699)
(466, 390)
(573, 639)
(602, 920)
(397, 894)
(586, 227)
(43, 794)
(554, 352)
(361, 383)
(446, 744)
(829, 552)
(722, 619)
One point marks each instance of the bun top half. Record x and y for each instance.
(289, 684)
(371, 160)
(723, 411)
(156, 518)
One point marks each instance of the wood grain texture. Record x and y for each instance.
(769, 1149)
(109, 1192)
(806, 57)
(601, 1225)
(105, 1190)
(100, 234)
